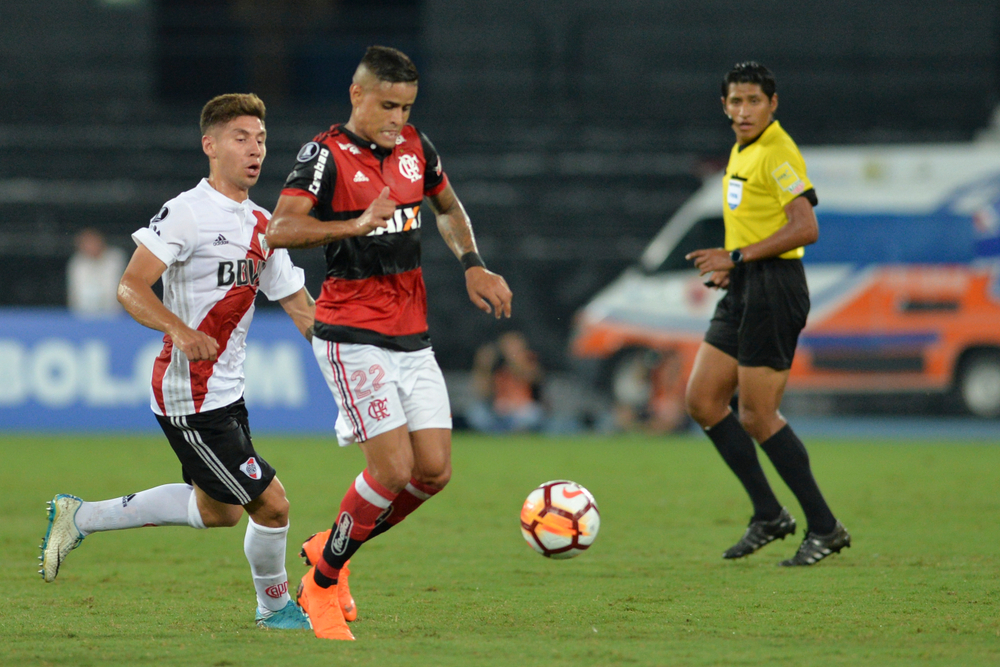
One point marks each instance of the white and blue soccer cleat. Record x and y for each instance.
(62, 536)
(291, 617)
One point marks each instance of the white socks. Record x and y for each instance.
(193, 513)
(265, 549)
(167, 505)
(177, 505)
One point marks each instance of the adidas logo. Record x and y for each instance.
(220, 241)
(360, 178)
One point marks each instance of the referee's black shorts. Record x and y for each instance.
(216, 453)
(759, 319)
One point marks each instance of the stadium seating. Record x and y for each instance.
(570, 136)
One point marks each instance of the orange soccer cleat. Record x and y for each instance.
(344, 594)
(312, 551)
(312, 548)
(323, 607)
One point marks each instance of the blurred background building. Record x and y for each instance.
(571, 130)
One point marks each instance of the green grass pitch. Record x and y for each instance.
(456, 585)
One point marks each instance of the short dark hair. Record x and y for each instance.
(224, 108)
(389, 64)
(750, 71)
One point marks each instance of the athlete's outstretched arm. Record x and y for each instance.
(135, 293)
(291, 226)
(487, 290)
(301, 307)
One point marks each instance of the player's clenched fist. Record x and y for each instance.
(196, 345)
(378, 213)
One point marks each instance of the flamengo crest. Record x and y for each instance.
(379, 409)
(409, 166)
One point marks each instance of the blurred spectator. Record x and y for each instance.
(92, 276)
(507, 383)
(649, 394)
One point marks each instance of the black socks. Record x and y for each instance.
(738, 451)
(791, 460)
(334, 561)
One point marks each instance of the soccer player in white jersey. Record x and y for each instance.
(208, 246)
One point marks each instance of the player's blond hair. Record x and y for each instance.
(223, 108)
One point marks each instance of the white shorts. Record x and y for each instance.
(378, 390)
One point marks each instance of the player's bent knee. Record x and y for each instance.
(270, 508)
(279, 511)
(437, 480)
(693, 407)
(274, 513)
(221, 519)
(704, 411)
(753, 423)
(394, 478)
(399, 482)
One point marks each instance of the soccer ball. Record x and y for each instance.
(560, 519)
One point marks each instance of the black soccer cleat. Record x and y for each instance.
(815, 548)
(762, 533)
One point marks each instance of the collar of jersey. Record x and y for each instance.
(376, 150)
(773, 123)
(221, 199)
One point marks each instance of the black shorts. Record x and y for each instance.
(759, 319)
(216, 453)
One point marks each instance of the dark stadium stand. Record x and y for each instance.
(570, 132)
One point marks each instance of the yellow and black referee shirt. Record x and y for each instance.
(761, 179)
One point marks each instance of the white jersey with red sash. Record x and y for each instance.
(216, 261)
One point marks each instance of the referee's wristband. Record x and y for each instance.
(471, 259)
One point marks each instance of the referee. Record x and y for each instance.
(768, 214)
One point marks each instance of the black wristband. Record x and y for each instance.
(471, 259)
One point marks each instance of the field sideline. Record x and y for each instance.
(456, 585)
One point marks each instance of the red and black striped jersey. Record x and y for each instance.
(374, 289)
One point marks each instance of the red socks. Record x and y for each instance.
(362, 505)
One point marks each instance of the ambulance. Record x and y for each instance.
(903, 280)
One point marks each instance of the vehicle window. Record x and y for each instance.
(706, 233)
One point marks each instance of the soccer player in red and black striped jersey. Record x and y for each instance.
(357, 189)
